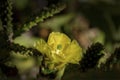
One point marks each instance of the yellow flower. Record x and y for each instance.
(59, 50)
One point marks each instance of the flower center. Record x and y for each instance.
(59, 46)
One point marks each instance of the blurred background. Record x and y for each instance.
(87, 21)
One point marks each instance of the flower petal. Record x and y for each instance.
(58, 40)
(73, 53)
(42, 46)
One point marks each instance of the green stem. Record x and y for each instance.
(9, 20)
(60, 73)
(54, 9)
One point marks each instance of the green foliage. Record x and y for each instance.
(47, 12)
(21, 49)
(112, 61)
(91, 57)
(6, 16)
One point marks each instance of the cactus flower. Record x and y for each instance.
(59, 50)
